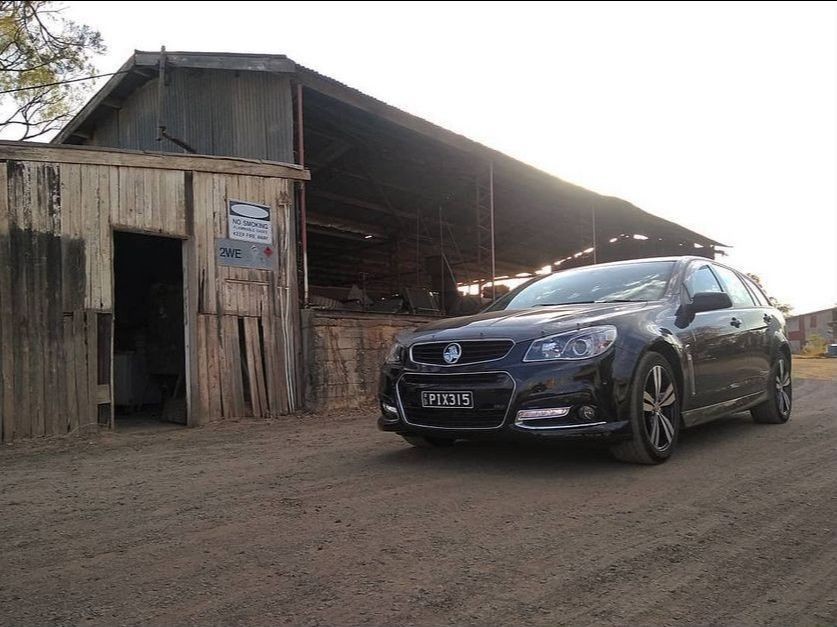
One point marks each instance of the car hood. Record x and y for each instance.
(522, 324)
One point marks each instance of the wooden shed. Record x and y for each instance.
(122, 285)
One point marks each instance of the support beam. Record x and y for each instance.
(303, 226)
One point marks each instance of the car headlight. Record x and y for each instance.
(395, 355)
(579, 344)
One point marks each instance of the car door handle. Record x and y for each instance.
(735, 322)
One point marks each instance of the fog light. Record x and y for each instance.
(390, 409)
(586, 412)
(542, 414)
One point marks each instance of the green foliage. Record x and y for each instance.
(783, 307)
(815, 345)
(39, 47)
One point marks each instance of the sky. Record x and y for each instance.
(721, 117)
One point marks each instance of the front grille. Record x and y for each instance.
(473, 351)
(492, 394)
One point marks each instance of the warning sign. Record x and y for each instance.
(229, 252)
(250, 222)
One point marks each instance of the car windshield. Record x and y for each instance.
(594, 284)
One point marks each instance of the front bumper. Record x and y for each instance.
(601, 383)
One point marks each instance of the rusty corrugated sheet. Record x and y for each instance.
(256, 108)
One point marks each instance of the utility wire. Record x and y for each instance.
(69, 80)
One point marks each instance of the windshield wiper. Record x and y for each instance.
(620, 300)
(575, 302)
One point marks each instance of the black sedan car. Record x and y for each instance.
(628, 352)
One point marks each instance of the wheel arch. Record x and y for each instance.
(785, 351)
(673, 357)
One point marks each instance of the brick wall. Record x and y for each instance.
(343, 352)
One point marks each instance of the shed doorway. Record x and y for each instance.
(149, 377)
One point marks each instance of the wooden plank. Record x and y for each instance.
(254, 366)
(20, 270)
(82, 417)
(120, 217)
(269, 362)
(156, 160)
(190, 310)
(152, 209)
(250, 364)
(203, 377)
(102, 393)
(7, 335)
(38, 300)
(92, 345)
(232, 350)
(90, 233)
(248, 62)
(208, 192)
(70, 366)
(72, 246)
(105, 248)
(225, 368)
(275, 367)
(172, 202)
(213, 367)
(286, 299)
(54, 381)
(200, 183)
(181, 191)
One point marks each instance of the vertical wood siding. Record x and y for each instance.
(56, 292)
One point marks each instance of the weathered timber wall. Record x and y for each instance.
(343, 354)
(56, 287)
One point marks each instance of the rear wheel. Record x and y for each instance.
(777, 408)
(655, 413)
(422, 441)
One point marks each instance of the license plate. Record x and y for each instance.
(461, 400)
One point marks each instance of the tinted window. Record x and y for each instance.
(757, 293)
(626, 282)
(702, 280)
(734, 287)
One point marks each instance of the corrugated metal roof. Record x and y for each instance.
(138, 66)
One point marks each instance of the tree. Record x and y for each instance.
(39, 51)
(784, 308)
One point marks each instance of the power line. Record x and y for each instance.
(56, 83)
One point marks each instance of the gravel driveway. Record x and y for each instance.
(323, 521)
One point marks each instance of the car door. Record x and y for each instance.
(748, 377)
(716, 342)
(767, 327)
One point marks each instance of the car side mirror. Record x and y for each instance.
(710, 301)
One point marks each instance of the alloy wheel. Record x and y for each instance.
(659, 408)
(783, 388)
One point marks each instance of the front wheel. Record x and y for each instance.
(655, 413)
(777, 408)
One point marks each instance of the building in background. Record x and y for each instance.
(801, 327)
(399, 216)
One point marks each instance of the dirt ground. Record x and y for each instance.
(324, 521)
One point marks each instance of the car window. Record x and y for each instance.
(734, 287)
(702, 280)
(640, 281)
(757, 293)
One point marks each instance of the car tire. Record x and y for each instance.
(777, 408)
(655, 413)
(422, 441)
